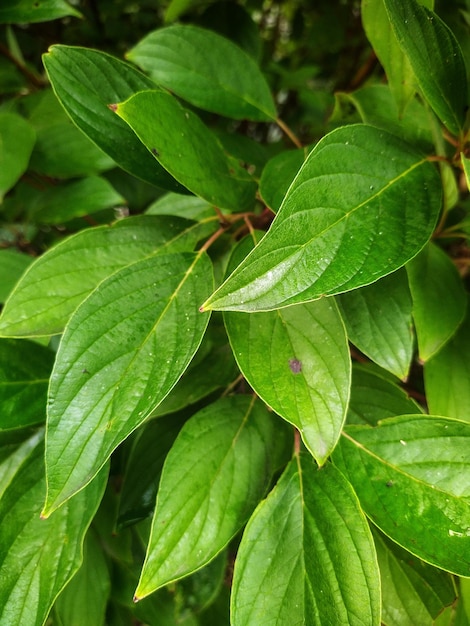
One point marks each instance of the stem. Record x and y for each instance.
(295, 140)
(212, 238)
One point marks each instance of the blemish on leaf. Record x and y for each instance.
(295, 366)
(155, 152)
(389, 483)
(113, 107)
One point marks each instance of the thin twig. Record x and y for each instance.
(33, 79)
(295, 140)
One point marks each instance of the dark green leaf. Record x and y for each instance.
(378, 321)
(278, 175)
(85, 82)
(206, 70)
(219, 468)
(122, 351)
(184, 146)
(30, 11)
(25, 368)
(61, 278)
(37, 557)
(434, 280)
(307, 555)
(412, 477)
(435, 57)
(17, 139)
(362, 205)
(12, 266)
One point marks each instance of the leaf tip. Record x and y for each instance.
(136, 599)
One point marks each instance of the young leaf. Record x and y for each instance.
(297, 360)
(218, 469)
(379, 322)
(38, 557)
(412, 476)
(307, 555)
(122, 351)
(446, 376)
(180, 141)
(85, 82)
(435, 57)
(433, 280)
(60, 279)
(206, 70)
(361, 206)
(17, 138)
(25, 368)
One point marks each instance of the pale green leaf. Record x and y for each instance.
(218, 469)
(378, 321)
(307, 555)
(31, 11)
(25, 368)
(207, 70)
(362, 205)
(435, 57)
(447, 376)
(17, 138)
(297, 360)
(62, 277)
(38, 557)
(12, 266)
(184, 146)
(122, 351)
(466, 169)
(85, 82)
(189, 207)
(434, 280)
(412, 476)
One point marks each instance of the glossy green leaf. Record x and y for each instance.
(12, 266)
(83, 601)
(307, 555)
(184, 146)
(60, 279)
(85, 82)
(412, 591)
(30, 11)
(435, 57)
(362, 205)
(378, 321)
(373, 398)
(466, 169)
(25, 368)
(122, 351)
(207, 70)
(59, 204)
(189, 207)
(447, 376)
(412, 476)
(278, 175)
(384, 41)
(38, 557)
(219, 468)
(17, 139)
(434, 280)
(297, 360)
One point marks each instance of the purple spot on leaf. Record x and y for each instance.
(295, 366)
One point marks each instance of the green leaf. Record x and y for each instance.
(59, 204)
(190, 207)
(278, 175)
(84, 599)
(412, 476)
(434, 280)
(31, 11)
(17, 139)
(412, 591)
(207, 70)
(374, 398)
(25, 368)
(378, 321)
(297, 360)
(85, 82)
(38, 557)
(384, 41)
(466, 169)
(12, 266)
(307, 555)
(60, 279)
(362, 205)
(435, 57)
(219, 468)
(122, 351)
(446, 376)
(184, 146)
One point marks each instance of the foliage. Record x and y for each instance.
(234, 371)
